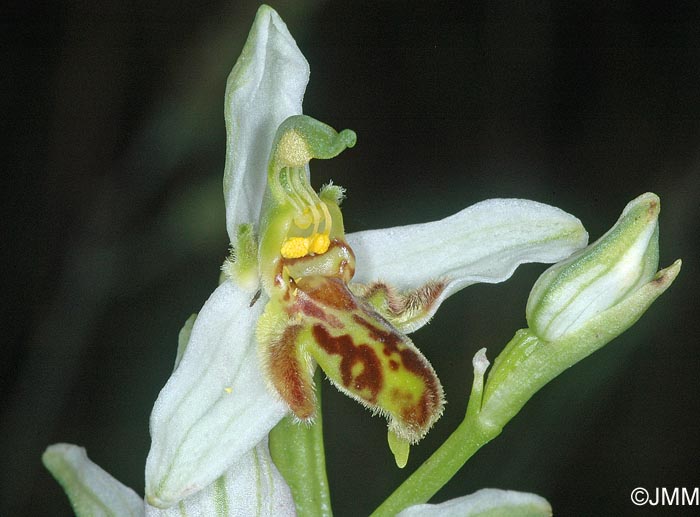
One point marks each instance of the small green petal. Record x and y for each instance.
(241, 267)
(332, 193)
(91, 490)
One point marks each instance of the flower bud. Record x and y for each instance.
(600, 276)
(578, 306)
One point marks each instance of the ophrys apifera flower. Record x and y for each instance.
(300, 293)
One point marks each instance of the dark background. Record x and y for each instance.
(113, 220)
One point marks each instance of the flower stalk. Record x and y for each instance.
(298, 451)
(445, 462)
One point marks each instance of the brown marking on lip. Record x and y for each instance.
(393, 364)
(312, 310)
(420, 414)
(289, 375)
(389, 338)
(371, 378)
(329, 292)
(417, 414)
(429, 404)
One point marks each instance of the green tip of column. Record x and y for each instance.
(348, 137)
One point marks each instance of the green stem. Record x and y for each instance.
(297, 450)
(437, 470)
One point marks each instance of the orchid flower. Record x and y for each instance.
(299, 293)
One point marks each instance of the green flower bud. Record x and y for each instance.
(600, 276)
(577, 307)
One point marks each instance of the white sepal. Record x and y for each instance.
(251, 486)
(216, 406)
(485, 242)
(91, 490)
(489, 502)
(265, 87)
